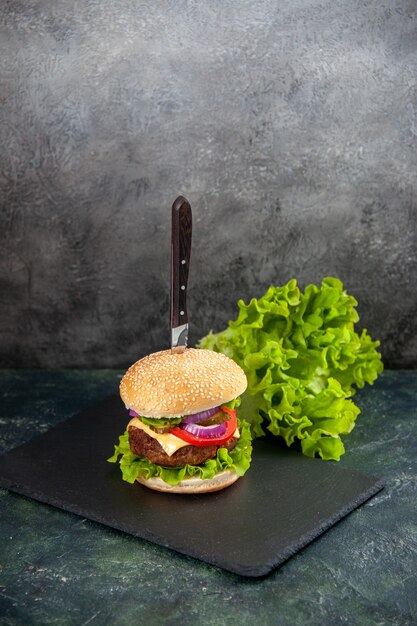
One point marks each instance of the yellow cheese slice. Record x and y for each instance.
(169, 443)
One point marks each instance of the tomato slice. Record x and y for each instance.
(193, 440)
(231, 412)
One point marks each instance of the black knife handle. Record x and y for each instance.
(180, 259)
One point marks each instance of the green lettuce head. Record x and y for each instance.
(302, 358)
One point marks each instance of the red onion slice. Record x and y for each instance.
(196, 418)
(206, 432)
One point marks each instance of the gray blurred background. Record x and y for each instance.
(290, 126)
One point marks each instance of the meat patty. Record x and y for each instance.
(143, 444)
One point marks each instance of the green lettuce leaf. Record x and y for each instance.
(160, 422)
(233, 404)
(132, 466)
(302, 357)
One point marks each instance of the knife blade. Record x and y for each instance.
(181, 228)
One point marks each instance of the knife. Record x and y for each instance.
(181, 227)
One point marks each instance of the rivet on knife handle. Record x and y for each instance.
(180, 262)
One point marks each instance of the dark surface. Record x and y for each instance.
(290, 126)
(58, 568)
(292, 498)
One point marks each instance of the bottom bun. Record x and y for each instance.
(192, 485)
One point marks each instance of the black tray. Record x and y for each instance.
(283, 502)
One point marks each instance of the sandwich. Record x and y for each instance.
(183, 435)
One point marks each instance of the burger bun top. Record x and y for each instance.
(172, 384)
